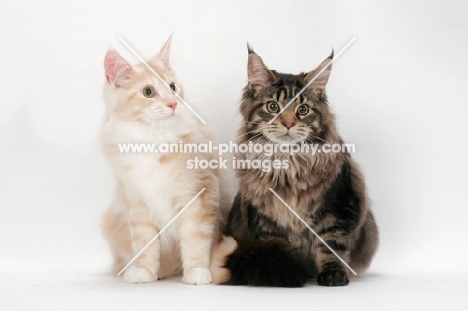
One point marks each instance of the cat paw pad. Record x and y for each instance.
(139, 275)
(334, 277)
(197, 276)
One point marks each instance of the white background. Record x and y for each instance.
(399, 93)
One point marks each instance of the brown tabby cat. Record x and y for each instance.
(272, 247)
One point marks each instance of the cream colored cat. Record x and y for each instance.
(152, 188)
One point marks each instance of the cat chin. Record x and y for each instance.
(166, 121)
(284, 139)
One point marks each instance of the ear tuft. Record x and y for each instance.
(258, 73)
(250, 48)
(117, 69)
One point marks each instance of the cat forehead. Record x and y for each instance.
(156, 73)
(288, 79)
(286, 93)
(286, 86)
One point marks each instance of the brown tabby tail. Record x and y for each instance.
(266, 263)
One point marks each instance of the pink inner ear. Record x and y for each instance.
(117, 68)
(322, 80)
(256, 70)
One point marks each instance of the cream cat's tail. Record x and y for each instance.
(258, 263)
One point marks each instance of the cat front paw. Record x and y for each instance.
(139, 275)
(334, 277)
(197, 276)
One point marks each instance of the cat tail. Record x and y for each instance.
(258, 263)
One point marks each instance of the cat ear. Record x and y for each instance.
(163, 57)
(118, 70)
(321, 80)
(258, 73)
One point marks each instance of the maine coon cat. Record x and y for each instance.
(152, 188)
(272, 247)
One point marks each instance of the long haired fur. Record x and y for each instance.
(268, 263)
(152, 188)
(327, 190)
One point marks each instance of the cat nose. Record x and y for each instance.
(288, 124)
(172, 105)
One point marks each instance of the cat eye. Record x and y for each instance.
(172, 86)
(272, 107)
(148, 91)
(303, 109)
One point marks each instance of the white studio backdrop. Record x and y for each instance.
(399, 93)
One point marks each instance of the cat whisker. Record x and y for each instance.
(246, 133)
(191, 121)
(202, 97)
(209, 115)
(319, 138)
(254, 136)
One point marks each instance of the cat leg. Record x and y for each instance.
(197, 228)
(145, 268)
(331, 270)
(116, 231)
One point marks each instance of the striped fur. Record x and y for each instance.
(326, 189)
